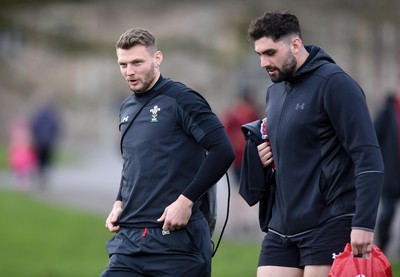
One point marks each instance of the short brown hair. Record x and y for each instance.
(136, 36)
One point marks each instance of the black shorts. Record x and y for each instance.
(148, 252)
(317, 247)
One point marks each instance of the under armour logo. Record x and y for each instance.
(334, 255)
(125, 119)
(300, 106)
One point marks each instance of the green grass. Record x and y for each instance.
(236, 259)
(42, 240)
(37, 239)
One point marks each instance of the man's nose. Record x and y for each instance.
(130, 69)
(264, 62)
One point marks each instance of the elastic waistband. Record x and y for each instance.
(310, 230)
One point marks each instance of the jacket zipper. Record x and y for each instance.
(286, 91)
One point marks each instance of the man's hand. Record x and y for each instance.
(177, 215)
(265, 154)
(361, 242)
(112, 219)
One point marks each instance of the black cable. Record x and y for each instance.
(226, 218)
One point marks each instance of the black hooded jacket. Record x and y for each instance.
(328, 161)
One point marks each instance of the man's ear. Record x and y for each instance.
(158, 57)
(296, 45)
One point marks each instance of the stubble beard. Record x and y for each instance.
(145, 83)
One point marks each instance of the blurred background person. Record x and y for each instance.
(45, 127)
(387, 125)
(22, 158)
(243, 111)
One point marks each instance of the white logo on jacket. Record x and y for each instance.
(154, 113)
(125, 119)
(300, 106)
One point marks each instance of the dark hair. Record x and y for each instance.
(275, 25)
(134, 37)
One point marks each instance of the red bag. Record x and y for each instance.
(346, 265)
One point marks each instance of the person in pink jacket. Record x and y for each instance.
(22, 158)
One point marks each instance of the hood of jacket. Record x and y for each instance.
(317, 57)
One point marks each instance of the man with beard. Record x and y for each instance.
(174, 149)
(328, 169)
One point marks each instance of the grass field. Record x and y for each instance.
(42, 240)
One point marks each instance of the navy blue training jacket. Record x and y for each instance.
(328, 162)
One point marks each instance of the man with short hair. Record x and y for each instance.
(327, 163)
(174, 150)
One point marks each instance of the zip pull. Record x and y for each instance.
(144, 232)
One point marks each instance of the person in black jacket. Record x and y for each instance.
(328, 164)
(387, 126)
(174, 149)
(45, 129)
